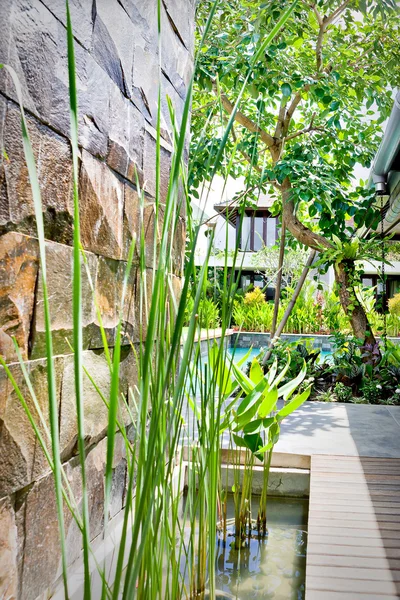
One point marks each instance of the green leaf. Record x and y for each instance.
(295, 403)
(287, 390)
(256, 372)
(269, 402)
(286, 90)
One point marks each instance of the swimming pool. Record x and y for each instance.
(239, 353)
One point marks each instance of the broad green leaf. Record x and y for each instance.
(269, 401)
(272, 371)
(295, 403)
(256, 372)
(239, 441)
(244, 359)
(287, 390)
(282, 374)
(253, 441)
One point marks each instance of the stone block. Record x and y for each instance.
(53, 160)
(96, 412)
(21, 457)
(81, 18)
(101, 208)
(33, 42)
(150, 170)
(59, 263)
(126, 137)
(8, 550)
(18, 275)
(113, 43)
(182, 19)
(129, 370)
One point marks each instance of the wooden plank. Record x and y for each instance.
(325, 595)
(353, 562)
(337, 584)
(352, 573)
(353, 548)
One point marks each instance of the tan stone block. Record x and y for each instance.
(96, 412)
(8, 551)
(18, 276)
(21, 457)
(52, 155)
(101, 208)
(59, 267)
(150, 171)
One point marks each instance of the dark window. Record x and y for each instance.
(258, 230)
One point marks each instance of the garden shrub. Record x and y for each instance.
(208, 314)
(394, 305)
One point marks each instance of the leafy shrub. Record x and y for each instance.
(255, 298)
(343, 393)
(394, 305)
(208, 314)
(253, 317)
(372, 391)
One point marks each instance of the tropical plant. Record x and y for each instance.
(394, 305)
(208, 314)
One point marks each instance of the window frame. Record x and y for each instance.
(265, 215)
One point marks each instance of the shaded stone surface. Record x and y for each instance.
(59, 261)
(8, 550)
(18, 276)
(150, 168)
(102, 204)
(117, 67)
(126, 137)
(96, 413)
(21, 457)
(54, 170)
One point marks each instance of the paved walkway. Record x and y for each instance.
(342, 429)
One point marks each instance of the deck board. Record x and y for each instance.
(354, 529)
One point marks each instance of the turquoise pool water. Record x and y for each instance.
(239, 353)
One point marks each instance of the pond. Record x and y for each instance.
(271, 567)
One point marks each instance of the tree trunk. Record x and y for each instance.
(278, 285)
(344, 273)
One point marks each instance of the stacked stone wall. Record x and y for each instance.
(117, 57)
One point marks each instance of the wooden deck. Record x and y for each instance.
(354, 529)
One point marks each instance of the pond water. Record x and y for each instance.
(272, 567)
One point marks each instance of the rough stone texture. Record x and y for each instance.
(118, 74)
(21, 457)
(8, 550)
(59, 261)
(18, 276)
(102, 205)
(53, 160)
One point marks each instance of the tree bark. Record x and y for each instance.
(278, 279)
(344, 273)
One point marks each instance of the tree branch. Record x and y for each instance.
(248, 123)
(323, 26)
(303, 131)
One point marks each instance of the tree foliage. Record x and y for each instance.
(313, 107)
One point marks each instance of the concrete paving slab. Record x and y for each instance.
(342, 429)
